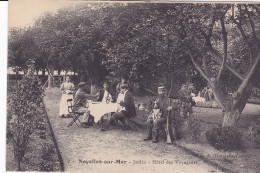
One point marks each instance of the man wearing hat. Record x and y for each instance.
(80, 102)
(128, 105)
(154, 124)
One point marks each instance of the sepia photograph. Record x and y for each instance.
(133, 86)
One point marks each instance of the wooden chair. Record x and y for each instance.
(75, 115)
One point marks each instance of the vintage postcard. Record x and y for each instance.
(133, 86)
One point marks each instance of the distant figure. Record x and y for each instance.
(210, 93)
(186, 100)
(202, 93)
(118, 87)
(206, 93)
(67, 89)
(105, 94)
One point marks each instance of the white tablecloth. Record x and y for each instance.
(98, 109)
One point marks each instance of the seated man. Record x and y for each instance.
(128, 107)
(80, 102)
(157, 118)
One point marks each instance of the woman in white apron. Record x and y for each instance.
(67, 89)
(120, 98)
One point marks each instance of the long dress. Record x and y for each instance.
(67, 89)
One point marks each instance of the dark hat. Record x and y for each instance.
(124, 86)
(82, 84)
(161, 88)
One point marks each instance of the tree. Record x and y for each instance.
(21, 49)
(143, 45)
(212, 35)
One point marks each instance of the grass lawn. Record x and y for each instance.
(245, 160)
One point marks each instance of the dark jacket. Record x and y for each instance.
(81, 99)
(184, 95)
(129, 105)
(163, 104)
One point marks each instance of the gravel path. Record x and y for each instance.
(91, 150)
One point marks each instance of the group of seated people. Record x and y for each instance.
(125, 100)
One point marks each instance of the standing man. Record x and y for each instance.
(80, 104)
(129, 108)
(186, 100)
(154, 124)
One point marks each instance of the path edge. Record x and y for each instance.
(62, 169)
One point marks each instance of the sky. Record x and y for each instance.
(21, 13)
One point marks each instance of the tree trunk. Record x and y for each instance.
(233, 113)
(218, 95)
(49, 81)
(43, 72)
(231, 117)
(50, 72)
(17, 158)
(92, 87)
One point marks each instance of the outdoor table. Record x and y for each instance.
(98, 109)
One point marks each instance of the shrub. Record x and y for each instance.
(25, 112)
(177, 123)
(254, 134)
(46, 164)
(225, 138)
(194, 128)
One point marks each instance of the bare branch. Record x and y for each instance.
(218, 55)
(211, 27)
(257, 10)
(252, 25)
(249, 75)
(224, 34)
(245, 37)
(199, 68)
(205, 65)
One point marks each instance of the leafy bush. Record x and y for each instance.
(194, 128)
(25, 113)
(254, 134)
(47, 151)
(177, 121)
(226, 138)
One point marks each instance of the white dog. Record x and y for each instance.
(199, 99)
